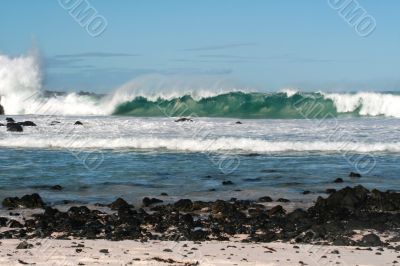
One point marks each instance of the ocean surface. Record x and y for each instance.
(129, 145)
(133, 157)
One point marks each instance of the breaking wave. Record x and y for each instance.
(268, 105)
(221, 144)
(156, 95)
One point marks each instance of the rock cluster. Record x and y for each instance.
(331, 220)
(13, 126)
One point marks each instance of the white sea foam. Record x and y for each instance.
(368, 103)
(21, 91)
(20, 78)
(207, 135)
(290, 91)
(198, 145)
(157, 86)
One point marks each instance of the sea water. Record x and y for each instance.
(133, 157)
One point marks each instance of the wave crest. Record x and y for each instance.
(157, 95)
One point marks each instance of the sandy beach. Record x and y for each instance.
(102, 252)
(353, 226)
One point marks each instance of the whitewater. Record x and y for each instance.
(207, 135)
(22, 93)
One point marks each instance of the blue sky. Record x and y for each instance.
(261, 44)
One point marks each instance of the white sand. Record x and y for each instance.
(64, 252)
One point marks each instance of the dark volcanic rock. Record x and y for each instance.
(334, 219)
(15, 224)
(371, 240)
(119, 203)
(24, 245)
(1, 110)
(330, 190)
(198, 235)
(10, 120)
(344, 199)
(353, 174)
(385, 201)
(277, 210)
(57, 187)
(14, 127)
(184, 204)
(265, 199)
(150, 201)
(343, 241)
(283, 200)
(338, 180)
(27, 124)
(53, 123)
(227, 183)
(184, 119)
(78, 123)
(27, 201)
(3, 221)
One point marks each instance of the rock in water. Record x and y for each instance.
(27, 201)
(283, 200)
(265, 199)
(184, 119)
(10, 120)
(57, 187)
(53, 123)
(119, 203)
(14, 127)
(78, 123)
(150, 201)
(27, 124)
(353, 174)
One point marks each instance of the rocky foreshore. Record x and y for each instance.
(337, 219)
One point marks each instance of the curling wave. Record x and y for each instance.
(158, 96)
(268, 105)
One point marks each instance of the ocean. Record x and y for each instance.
(277, 144)
(235, 143)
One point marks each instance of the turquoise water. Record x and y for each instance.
(277, 105)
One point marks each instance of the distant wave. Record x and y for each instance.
(268, 105)
(22, 93)
(221, 144)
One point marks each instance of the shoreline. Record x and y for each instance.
(187, 253)
(354, 217)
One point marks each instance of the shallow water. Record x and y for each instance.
(110, 157)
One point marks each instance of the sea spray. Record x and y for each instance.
(22, 93)
(20, 78)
